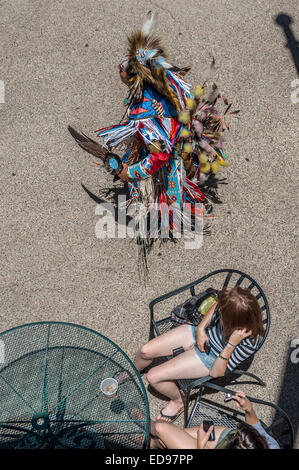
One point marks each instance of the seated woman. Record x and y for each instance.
(247, 435)
(232, 328)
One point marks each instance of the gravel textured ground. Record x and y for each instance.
(59, 66)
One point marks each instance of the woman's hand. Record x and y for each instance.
(242, 401)
(245, 405)
(123, 175)
(238, 335)
(201, 338)
(203, 436)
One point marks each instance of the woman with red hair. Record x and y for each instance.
(229, 333)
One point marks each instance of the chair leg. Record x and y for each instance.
(186, 407)
(197, 400)
(249, 374)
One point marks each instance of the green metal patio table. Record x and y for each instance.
(50, 396)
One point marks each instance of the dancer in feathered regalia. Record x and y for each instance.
(171, 138)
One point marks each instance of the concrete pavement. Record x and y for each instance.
(59, 66)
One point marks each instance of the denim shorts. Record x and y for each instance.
(206, 359)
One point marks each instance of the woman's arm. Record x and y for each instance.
(207, 317)
(171, 436)
(245, 405)
(252, 419)
(201, 336)
(272, 443)
(220, 365)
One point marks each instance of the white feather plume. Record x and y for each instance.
(149, 24)
(160, 61)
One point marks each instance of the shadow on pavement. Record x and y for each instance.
(112, 194)
(292, 44)
(289, 391)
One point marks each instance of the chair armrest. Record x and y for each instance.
(261, 402)
(226, 390)
(218, 388)
(197, 382)
(249, 374)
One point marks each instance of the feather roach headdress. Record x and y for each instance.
(147, 64)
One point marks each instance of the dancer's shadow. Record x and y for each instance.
(285, 21)
(111, 196)
(210, 188)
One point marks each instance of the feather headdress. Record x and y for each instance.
(147, 64)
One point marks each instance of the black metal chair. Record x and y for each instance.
(232, 277)
(223, 415)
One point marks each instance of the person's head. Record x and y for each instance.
(247, 437)
(123, 68)
(124, 76)
(239, 308)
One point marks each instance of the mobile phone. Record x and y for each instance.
(207, 347)
(206, 426)
(228, 397)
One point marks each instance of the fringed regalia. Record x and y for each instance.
(172, 138)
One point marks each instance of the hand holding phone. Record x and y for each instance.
(228, 397)
(207, 347)
(206, 426)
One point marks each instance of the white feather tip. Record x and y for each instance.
(149, 24)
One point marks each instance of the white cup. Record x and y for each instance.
(109, 387)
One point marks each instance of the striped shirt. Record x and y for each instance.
(245, 348)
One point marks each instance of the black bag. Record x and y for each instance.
(187, 312)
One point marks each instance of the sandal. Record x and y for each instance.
(171, 418)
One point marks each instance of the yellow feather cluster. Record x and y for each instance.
(187, 148)
(185, 132)
(198, 92)
(205, 168)
(184, 117)
(203, 158)
(190, 103)
(215, 167)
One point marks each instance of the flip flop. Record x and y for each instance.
(171, 418)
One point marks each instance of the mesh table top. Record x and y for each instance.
(50, 379)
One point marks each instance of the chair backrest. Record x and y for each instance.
(225, 278)
(244, 280)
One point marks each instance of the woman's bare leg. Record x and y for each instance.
(170, 436)
(184, 366)
(163, 346)
(167, 435)
(156, 443)
(210, 444)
